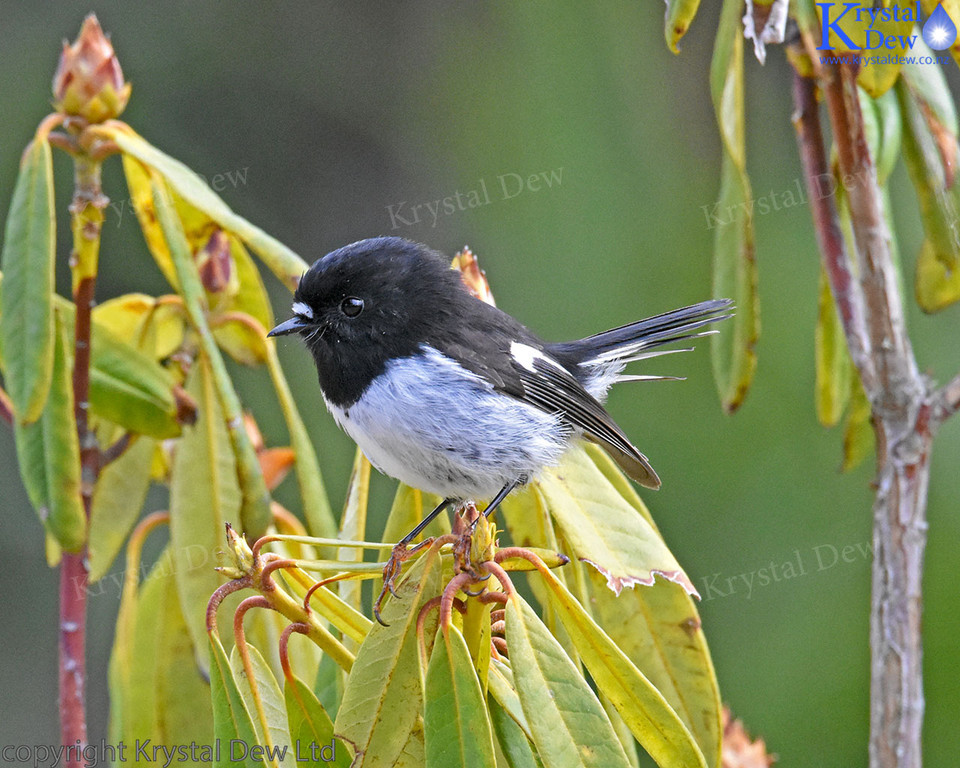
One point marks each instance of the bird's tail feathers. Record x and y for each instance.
(643, 339)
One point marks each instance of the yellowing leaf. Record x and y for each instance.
(144, 206)
(679, 16)
(643, 708)
(457, 728)
(117, 500)
(602, 527)
(833, 364)
(26, 294)
(283, 262)
(153, 326)
(858, 438)
(659, 630)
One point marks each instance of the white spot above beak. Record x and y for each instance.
(299, 308)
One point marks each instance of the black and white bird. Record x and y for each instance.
(448, 393)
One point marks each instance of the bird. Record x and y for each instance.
(453, 396)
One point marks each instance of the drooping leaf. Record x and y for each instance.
(48, 454)
(858, 437)
(602, 528)
(241, 337)
(514, 745)
(734, 264)
(658, 628)
(26, 294)
(568, 724)
(283, 262)
(155, 326)
(353, 525)
(117, 500)
(264, 700)
(156, 690)
(255, 500)
(643, 708)
(457, 728)
(204, 494)
(231, 721)
(311, 730)
(833, 364)
(931, 153)
(679, 16)
(141, 198)
(387, 670)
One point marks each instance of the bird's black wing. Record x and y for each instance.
(553, 389)
(483, 343)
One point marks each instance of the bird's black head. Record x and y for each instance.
(369, 302)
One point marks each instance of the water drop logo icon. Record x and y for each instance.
(939, 32)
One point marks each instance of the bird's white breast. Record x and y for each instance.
(436, 426)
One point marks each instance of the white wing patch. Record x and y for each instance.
(525, 355)
(304, 310)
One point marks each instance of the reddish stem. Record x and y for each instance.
(71, 647)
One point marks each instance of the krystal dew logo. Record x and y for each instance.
(863, 27)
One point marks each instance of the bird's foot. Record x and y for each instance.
(391, 571)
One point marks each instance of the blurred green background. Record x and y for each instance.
(316, 118)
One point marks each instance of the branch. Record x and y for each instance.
(898, 379)
(947, 399)
(826, 222)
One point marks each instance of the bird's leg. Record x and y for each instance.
(402, 552)
(464, 546)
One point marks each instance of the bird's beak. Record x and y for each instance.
(292, 325)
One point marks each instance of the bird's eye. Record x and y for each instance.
(351, 306)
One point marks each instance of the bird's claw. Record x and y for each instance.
(400, 554)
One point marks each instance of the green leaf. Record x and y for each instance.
(513, 741)
(734, 265)
(658, 628)
(602, 527)
(679, 16)
(204, 494)
(264, 701)
(568, 724)
(283, 262)
(833, 366)
(502, 687)
(457, 729)
(313, 494)
(117, 500)
(231, 721)
(329, 684)
(255, 500)
(311, 730)
(251, 298)
(383, 694)
(643, 708)
(156, 691)
(48, 454)
(26, 295)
